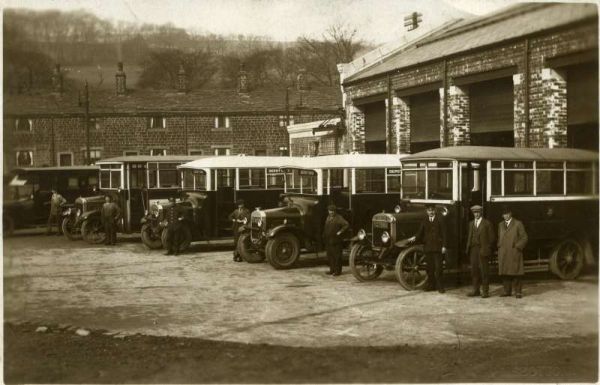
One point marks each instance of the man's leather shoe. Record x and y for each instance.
(474, 294)
(505, 295)
(168, 253)
(441, 291)
(329, 272)
(485, 295)
(336, 274)
(519, 295)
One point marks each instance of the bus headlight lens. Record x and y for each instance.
(385, 237)
(361, 234)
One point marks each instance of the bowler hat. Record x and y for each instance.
(239, 202)
(429, 206)
(476, 208)
(506, 209)
(331, 207)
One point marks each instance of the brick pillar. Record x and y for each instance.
(458, 116)
(554, 96)
(519, 111)
(357, 129)
(400, 126)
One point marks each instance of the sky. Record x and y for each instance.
(377, 21)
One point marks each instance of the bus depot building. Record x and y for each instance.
(525, 76)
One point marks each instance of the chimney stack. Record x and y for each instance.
(57, 80)
(242, 80)
(182, 84)
(121, 80)
(301, 80)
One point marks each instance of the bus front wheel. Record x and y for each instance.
(566, 259)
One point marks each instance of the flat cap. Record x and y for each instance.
(476, 208)
(331, 207)
(239, 202)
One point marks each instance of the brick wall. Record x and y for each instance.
(319, 145)
(50, 136)
(547, 90)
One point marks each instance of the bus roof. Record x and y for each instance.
(54, 168)
(149, 158)
(476, 153)
(351, 161)
(242, 161)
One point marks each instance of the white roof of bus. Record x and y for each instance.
(351, 161)
(239, 161)
(316, 162)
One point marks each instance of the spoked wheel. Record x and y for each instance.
(248, 253)
(361, 263)
(69, 229)
(92, 231)
(411, 269)
(150, 237)
(566, 260)
(283, 251)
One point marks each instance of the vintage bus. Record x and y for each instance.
(360, 185)
(28, 191)
(554, 192)
(212, 185)
(133, 181)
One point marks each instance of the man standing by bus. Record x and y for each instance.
(174, 216)
(110, 213)
(512, 239)
(335, 226)
(56, 202)
(432, 233)
(480, 242)
(239, 217)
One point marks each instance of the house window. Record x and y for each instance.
(222, 122)
(95, 155)
(222, 151)
(130, 153)
(158, 151)
(157, 122)
(24, 158)
(23, 124)
(283, 122)
(96, 123)
(65, 158)
(195, 152)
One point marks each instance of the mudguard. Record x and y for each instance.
(281, 228)
(86, 215)
(403, 243)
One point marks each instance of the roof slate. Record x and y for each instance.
(197, 101)
(509, 23)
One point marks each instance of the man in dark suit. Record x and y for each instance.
(432, 233)
(174, 216)
(480, 243)
(110, 214)
(335, 226)
(238, 217)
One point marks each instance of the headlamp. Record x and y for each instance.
(385, 237)
(397, 209)
(361, 234)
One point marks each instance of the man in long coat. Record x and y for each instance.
(110, 214)
(433, 234)
(512, 239)
(480, 242)
(238, 217)
(174, 215)
(335, 226)
(56, 202)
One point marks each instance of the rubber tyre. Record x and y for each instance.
(283, 251)
(8, 225)
(151, 241)
(411, 269)
(185, 244)
(567, 259)
(373, 271)
(248, 254)
(92, 231)
(72, 233)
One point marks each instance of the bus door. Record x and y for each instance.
(224, 187)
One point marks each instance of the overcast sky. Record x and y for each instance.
(376, 20)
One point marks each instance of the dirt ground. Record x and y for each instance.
(200, 317)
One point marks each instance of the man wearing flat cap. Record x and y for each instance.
(335, 226)
(432, 233)
(512, 239)
(238, 217)
(480, 242)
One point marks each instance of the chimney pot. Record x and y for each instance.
(182, 85)
(57, 80)
(121, 80)
(242, 80)
(301, 80)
